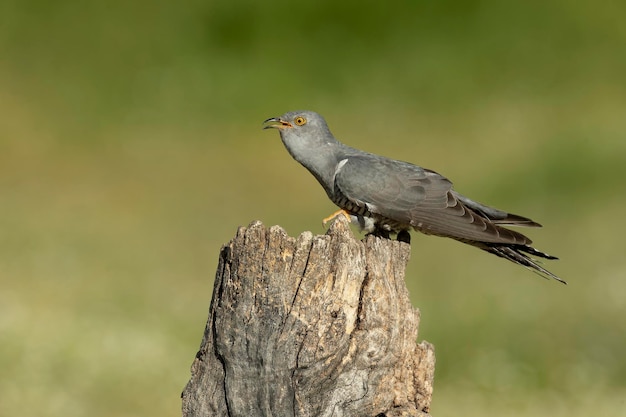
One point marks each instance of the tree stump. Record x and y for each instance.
(313, 326)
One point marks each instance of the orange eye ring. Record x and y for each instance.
(300, 121)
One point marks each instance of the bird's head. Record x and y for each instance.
(306, 137)
(304, 126)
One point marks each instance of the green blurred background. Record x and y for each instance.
(131, 149)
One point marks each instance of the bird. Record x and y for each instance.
(386, 196)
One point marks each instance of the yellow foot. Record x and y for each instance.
(335, 214)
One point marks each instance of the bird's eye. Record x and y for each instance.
(300, 120)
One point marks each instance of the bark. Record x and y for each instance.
(313, 326)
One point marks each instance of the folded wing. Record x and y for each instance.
(421, 198)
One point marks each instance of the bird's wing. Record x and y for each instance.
(418, 197)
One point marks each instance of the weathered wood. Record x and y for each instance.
(313, 326)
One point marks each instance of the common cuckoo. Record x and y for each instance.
(384, 195)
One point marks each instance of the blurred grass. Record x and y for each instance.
(131, 149)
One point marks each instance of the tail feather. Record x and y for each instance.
(519, 254)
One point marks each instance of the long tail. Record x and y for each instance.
(519, 254)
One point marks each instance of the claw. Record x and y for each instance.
(335, 214)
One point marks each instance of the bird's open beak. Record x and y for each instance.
(276, 123)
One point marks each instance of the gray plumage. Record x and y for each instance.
(388, 196)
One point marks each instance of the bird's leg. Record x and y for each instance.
(335, 214)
